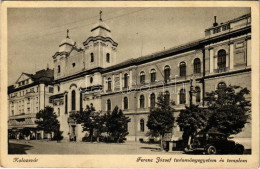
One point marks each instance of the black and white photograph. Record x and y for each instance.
(173, 81)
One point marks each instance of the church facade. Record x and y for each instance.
(90, 75)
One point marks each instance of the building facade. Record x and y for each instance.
(29, 94)
(92, 76)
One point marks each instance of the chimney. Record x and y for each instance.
(215, 21)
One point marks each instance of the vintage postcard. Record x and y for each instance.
(130, 84)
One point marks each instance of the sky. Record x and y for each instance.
(34, 34)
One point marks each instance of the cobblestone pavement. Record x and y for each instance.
(52, 147)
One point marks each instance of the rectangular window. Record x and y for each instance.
(50, 89)
(50, 100)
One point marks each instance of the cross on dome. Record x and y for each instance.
(100, 15)
(68, 33)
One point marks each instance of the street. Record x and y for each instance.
(52, 147)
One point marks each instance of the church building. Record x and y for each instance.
(92, 76)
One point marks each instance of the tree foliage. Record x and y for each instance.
(160, 119)
(192, 120)
(116, 124)
(91, 121)
(229, 108)
(47, 121)
(227, 111)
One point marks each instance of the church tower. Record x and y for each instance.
(100, 48)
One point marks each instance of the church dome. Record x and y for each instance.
(100, 29)
(67, 41)
(66, 45)
(100, 24)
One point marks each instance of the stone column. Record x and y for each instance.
(130, 79)
(105, 84)
(113, 82)
(211, 60)
(120, 80)
(248, 52)
(231, 55)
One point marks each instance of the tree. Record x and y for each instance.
(230, 110)
(47, 121)
(26, 131)
(116, 124)
(227, 111)
(160, 119)
(91, 121)
(192, 121)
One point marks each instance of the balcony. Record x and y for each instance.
(28, 122)
(22, 115)
(92, 88)
(30, 93)
(220, 70)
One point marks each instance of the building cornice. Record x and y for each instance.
(105, 39)
(195, 45)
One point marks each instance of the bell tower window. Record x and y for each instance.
(108, 58)
(58, 68)
(92, 57)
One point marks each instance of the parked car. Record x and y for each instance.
(214, 143)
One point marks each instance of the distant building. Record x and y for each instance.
(29, 94)
(91, 76)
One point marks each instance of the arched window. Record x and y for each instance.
(152, 100)
(197, 90)
(221, 60)
(153, 75)
(92, 57)
(182, 96)
(58, 88)
(142, 77)
(125, 103)
(167, 72)
(108, 105)
(221, 85)
(91, 79)
(142, 101)
(182, 69)
(142, 125)
(58, 114)
(109, 84)
(167, 98)
(66, 104)
(197, 65)
(126, 80)
(108, 58)
(73, 100)
(58, 68)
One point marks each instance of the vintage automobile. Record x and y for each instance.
(214, 143)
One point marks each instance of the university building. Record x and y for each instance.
(29, 94)
(92, 76)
